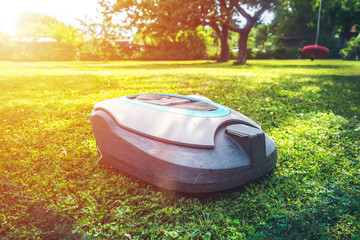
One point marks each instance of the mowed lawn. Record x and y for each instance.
(53, 185)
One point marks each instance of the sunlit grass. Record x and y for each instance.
(52, 185)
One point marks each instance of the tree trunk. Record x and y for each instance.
(242, 45)
(225, 50)
(223, 33)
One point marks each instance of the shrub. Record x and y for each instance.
(352, 51)
(282, 52)
(188, 46)
(42, 51)
(6, 48)
(272, 48)
(257, 53)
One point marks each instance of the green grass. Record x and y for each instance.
(53, 187)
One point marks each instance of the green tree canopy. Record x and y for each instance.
(295, 18)
(299, 17)
(165, 18)
(340, 16)
(35, 25)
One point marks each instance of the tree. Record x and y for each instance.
(6, 46)
(35, 26)
(294, 18)
(299, 17)
(243, 9)
(218, 17)
(102, 30)
(167, 17)
(164, 19)
(339, 16)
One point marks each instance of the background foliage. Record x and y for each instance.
(178, 30)
(352, 51)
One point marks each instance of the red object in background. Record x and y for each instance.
(315, 51)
